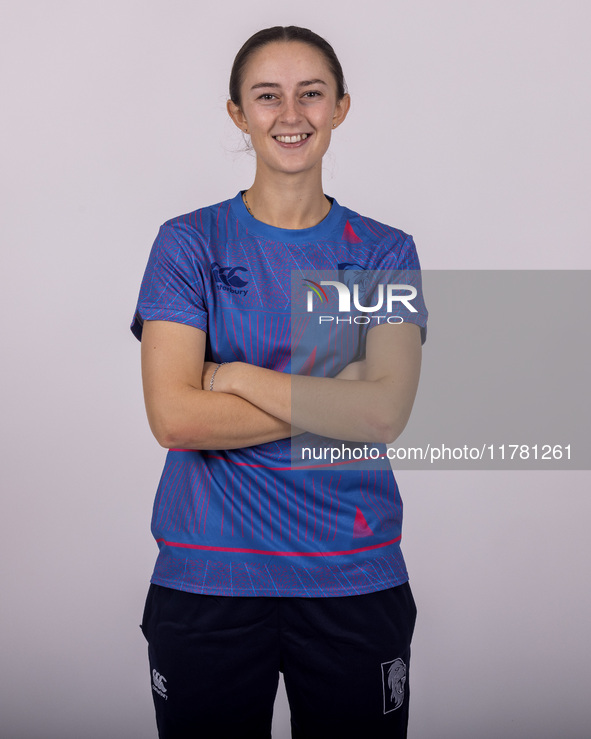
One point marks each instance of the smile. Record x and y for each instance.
(291, 139)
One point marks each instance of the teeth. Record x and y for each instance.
(292, 139)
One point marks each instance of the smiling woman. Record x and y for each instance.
(288, 101)
(264, 567)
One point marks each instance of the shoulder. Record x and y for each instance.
(368, 227)
(201, 221)
(389, 246)
(194, 235)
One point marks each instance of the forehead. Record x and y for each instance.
(286, 63)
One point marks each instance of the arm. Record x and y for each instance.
(375, 409)
(183, 415)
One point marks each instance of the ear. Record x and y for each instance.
(236, 114)
(341, 110)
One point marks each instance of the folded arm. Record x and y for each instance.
(184, 416)
(373, 409)
(253, 405)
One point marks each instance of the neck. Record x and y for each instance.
(290, 202)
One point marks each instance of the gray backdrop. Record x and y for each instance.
(469, 128)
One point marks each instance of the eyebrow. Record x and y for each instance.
(275, 85)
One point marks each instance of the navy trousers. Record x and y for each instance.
(215, 664)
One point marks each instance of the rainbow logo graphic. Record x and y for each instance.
(317, 289)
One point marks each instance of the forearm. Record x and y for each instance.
(199, 419)
(193, 418)
(358, 410)
(370, 401)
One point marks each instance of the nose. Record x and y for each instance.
(290, 112)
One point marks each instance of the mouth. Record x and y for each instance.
(292, 141)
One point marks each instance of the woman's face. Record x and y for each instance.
(289, 91)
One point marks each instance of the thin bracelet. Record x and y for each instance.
(214, 374)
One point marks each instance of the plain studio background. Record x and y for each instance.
(469, 128)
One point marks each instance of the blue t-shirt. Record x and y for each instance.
(244, 522)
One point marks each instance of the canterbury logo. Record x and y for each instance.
(227, 275)
(228, 280)
(158, 681)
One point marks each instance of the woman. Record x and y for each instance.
(262, 566)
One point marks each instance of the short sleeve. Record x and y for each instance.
(173, 287)
(400, 266)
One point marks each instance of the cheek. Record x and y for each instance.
(323, 117)
(259, 121)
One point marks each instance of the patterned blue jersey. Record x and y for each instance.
(244, 522)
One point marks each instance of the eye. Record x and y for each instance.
(312, 93)
(266, 96)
